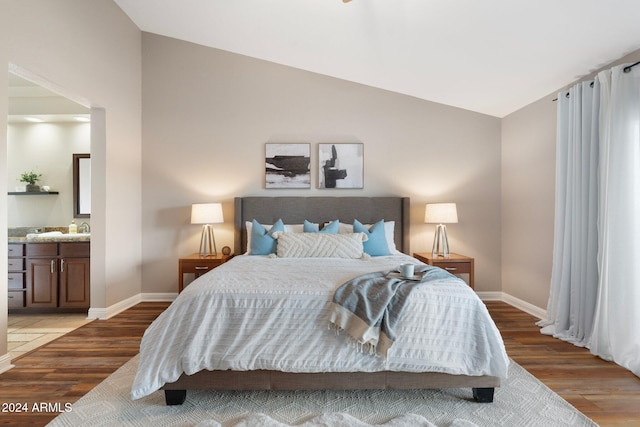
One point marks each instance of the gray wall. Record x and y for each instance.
(207, 115)
(528, 188)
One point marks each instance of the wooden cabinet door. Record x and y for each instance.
(74, 282)
(42, 283)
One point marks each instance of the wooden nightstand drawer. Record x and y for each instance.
(454, 264)
(454, 267)
(197, 265)
(200, 267)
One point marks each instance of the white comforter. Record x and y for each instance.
(258, 312)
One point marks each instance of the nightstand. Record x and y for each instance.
(454, 264)
(198, 265)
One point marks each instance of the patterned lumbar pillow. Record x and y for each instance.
(289, 228)
(319, 245)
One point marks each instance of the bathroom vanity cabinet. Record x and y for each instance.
(55, 276)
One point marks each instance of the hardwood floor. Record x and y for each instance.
(64, 370)
(603, 391)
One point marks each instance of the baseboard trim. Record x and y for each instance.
(490, 296)
(528, 308)
(5, 363)
(112, 310)
(159, 297)
(533, 310)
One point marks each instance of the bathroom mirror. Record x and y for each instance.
(81, 185)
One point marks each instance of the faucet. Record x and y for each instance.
(86, 228)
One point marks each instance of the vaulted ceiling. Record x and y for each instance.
(489, 56)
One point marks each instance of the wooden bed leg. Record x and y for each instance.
(175, 397)
(483, 395)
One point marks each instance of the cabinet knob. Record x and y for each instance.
(201, 268)
(53, 266)
(450, 268)
(62, 265)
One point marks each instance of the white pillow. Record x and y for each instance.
(320, 245)
(389, 230)
(288, 228)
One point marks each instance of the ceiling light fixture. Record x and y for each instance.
(81, 119)
(34, 119)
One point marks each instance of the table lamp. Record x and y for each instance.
(441, 214)
(207, 214)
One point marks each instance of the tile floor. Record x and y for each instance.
(29, 331)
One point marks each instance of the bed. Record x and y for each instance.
(233, 329)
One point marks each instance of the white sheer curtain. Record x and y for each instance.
(616, 332)
(574, 278)
(595, 283)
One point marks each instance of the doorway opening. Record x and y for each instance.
(44, 131)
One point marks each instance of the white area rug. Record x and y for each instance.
(521, 401)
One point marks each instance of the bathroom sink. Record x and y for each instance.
(56, 235)
(47, 234)
(73, 236)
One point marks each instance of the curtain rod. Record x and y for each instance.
(625, 70)
(567, 94)
(629, 67)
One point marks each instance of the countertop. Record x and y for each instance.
(51, 239)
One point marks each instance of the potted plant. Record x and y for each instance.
(30, 178)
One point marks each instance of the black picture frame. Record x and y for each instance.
(340, 165)
(81, 185)
(287, 165)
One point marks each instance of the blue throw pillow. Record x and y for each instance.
(376, 245)
(262, 241)
(331, 228)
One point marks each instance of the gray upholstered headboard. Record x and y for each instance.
(294, 210)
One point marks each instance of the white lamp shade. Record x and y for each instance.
(441, 213)
(206, 213)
